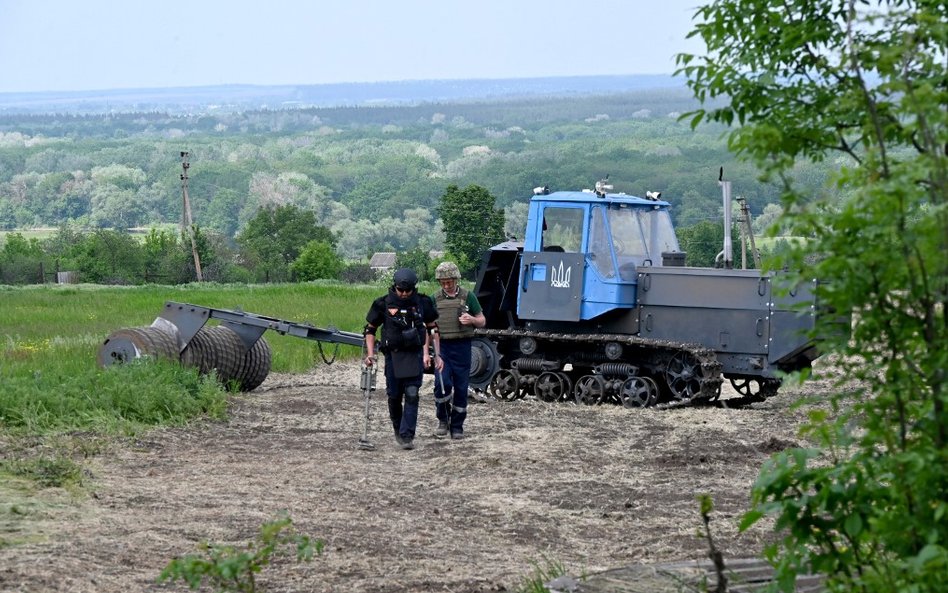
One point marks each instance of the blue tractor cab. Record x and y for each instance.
(582, 249)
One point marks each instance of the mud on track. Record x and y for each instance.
(591, 488)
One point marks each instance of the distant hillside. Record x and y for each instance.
(232, 98)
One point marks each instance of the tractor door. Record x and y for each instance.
(551, 280)
(551, 286)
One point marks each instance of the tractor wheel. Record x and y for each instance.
(684, 376)
(505, 385)
(550, 386)
(589, 390)
(638, 392)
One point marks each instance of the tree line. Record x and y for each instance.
(279, 244)
(373, 176)
(282, 243)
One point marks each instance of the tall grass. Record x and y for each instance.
(542, 574)
(35, 319)
(121, 400)
(50, 336)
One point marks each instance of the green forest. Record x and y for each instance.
(370, 176)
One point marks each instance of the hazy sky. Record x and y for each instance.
(102, 44)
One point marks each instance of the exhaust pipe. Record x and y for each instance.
(728, 252)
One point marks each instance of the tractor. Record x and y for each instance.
(596, 305)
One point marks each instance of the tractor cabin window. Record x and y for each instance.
(562, 229)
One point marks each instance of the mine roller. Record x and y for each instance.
(596, 305)
(234, 348)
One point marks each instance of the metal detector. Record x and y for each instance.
(367, 384)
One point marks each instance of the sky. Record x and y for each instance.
(69, 45)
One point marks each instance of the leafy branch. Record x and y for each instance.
(229, 568)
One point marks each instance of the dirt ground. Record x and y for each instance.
(588, 487)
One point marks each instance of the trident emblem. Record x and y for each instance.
(559, 278)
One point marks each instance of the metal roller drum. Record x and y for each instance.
(254, 366)
(215, 348)
(125, 345)
(234, 349)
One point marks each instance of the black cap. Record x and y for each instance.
(405, 279)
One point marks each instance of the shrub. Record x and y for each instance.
(228, 568)
(317, 261)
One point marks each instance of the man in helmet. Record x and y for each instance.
(408, 324)
(459, 313)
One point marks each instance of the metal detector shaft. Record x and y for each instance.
(367, 385)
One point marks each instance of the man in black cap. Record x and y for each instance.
(408, 322)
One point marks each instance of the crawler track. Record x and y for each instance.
(686, 373)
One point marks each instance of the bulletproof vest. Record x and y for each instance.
(449, 309)
(404, 328)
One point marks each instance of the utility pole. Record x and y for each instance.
(743, 206)
(747, 235)
(186, 221)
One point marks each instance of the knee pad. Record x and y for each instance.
(411, 394)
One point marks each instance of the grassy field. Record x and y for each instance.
(57, 407)
(42, 324)
(39, 234)
(50, 337)
(44, 233)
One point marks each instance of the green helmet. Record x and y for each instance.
(447, 270)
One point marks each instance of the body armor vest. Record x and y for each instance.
(449, 309)
(404, 328)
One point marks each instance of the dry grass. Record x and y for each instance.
(592, 488)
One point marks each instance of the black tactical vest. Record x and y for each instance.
(404, 327)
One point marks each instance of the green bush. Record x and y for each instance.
(358, 273)
(317, 261)
(229, 568)
(417, 260)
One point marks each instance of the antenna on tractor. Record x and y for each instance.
(602, 187)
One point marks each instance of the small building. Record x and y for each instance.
(382, 261)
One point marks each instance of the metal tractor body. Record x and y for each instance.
(596, 305)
